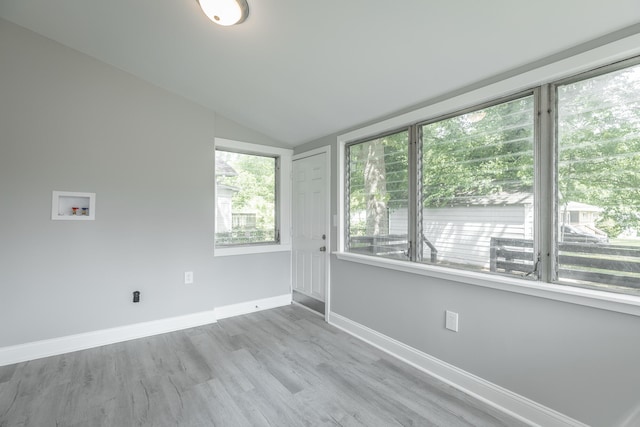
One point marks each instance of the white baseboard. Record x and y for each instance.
(52, 347)
(252, 306)
(69, 343)
(504, 400)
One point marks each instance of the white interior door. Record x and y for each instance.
(310, 228)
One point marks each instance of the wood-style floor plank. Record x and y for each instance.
(281, 367)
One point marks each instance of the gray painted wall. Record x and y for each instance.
(69, 122)
(578, 360)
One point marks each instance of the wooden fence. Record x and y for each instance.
(581, 262)
(390, 246)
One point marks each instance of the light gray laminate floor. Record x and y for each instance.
(281, 367)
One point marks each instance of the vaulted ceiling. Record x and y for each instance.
(297, 70)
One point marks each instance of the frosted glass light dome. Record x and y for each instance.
(225, 12)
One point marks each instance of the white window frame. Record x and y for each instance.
(539, 77)
(283, 200)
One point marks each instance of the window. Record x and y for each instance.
(598, 181)
(245, 198)
(544, 185)
(249, 197)
(473, 177)
(378, 184)
(477, 187)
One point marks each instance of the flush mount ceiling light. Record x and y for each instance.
(225, 12)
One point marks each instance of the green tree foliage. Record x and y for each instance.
(478, 154)
(465, 157)
(599, 146)
(490, 152)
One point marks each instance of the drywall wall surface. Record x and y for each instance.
(322, 142)
(578, 360)
(71, 123)
(228, 129)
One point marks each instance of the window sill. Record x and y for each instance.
(247, 250)
(621, 303)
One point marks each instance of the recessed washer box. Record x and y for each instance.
(73, 206)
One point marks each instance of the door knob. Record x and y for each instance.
(323, 249)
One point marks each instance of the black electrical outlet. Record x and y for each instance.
(136, 296)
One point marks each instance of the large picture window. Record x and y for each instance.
(477, 187)
(544, 185)
(598, 176)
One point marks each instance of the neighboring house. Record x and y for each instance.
(224, 194)
(582, 217)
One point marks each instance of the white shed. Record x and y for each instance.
(462, 234)
(461, 240)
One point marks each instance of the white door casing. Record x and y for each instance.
(310, 253)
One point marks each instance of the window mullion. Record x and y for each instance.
(415, 195)
(276, 198)
(544, 160)
(552, 179)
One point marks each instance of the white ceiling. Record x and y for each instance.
(297, 70)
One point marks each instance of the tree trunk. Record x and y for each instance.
(375, 186)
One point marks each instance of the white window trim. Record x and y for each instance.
(284, 195)
(597, 57)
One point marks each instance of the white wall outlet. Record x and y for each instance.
(188, 277)
(451, 320)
